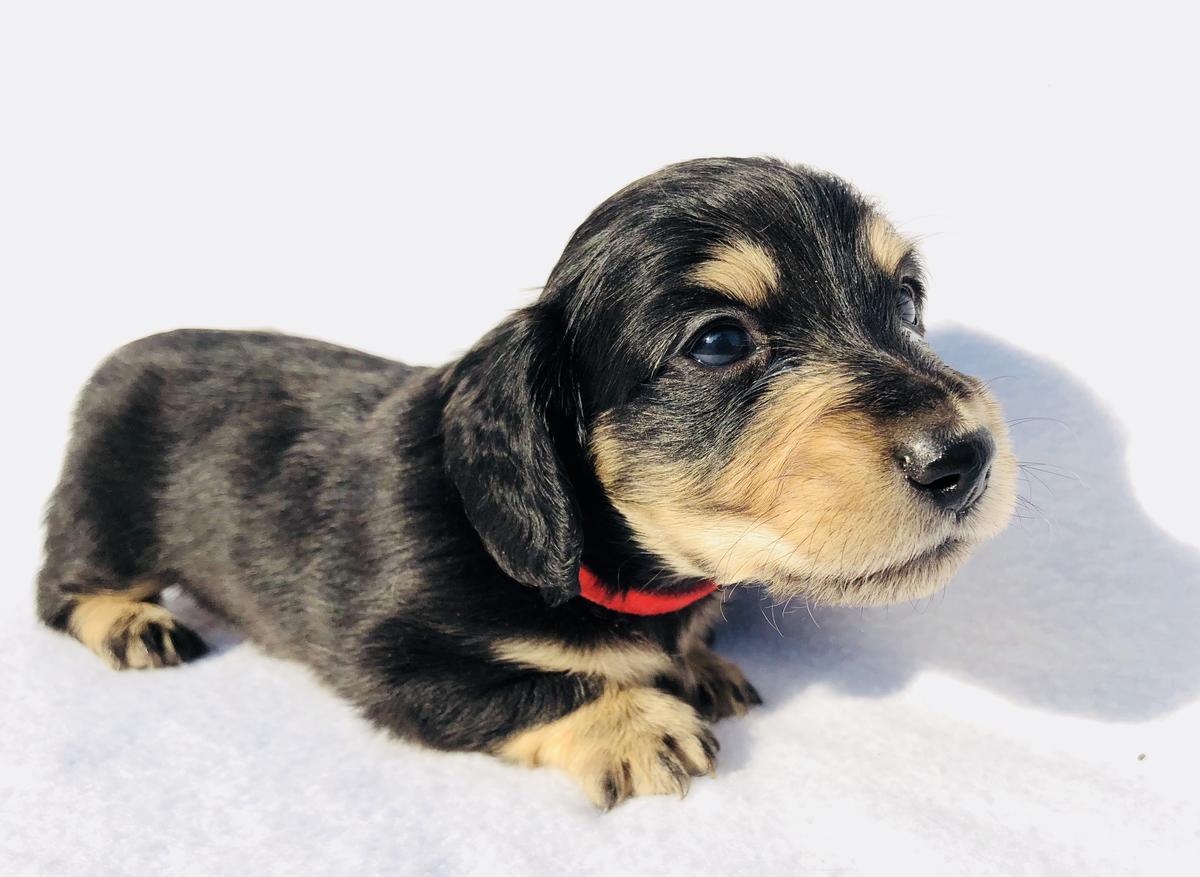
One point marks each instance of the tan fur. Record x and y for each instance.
(741, 270)
(810, 502)
(629, 741)
(97, 619)
(622, 663)
(888, 247)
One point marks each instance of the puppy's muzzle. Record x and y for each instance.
(949, 471)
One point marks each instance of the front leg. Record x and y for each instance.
(715, 687)
(592, 713)
(626, 742)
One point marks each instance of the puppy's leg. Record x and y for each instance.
(715, 687)
(129, 631)
(101, 538)
(590, 712)
(626, 742)
(125, 626)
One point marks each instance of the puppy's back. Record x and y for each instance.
(195, 455)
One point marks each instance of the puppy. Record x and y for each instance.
(724, 380)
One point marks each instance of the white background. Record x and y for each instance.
(399, 180)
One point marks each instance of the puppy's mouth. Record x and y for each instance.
(904, 580)
(923, 560)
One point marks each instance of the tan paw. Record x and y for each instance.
(629, 741)
(717, 688)
(132, 634)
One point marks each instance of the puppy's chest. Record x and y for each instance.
(656, 654)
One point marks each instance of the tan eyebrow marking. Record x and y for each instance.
(888, 247)
(742, 270)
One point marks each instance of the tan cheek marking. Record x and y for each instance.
(808, 492)
(629, 479)
(800, 434)
(624, 663)
(741, 270)
(648, 495)
(809, 500)
(888, 248)
(629, 741)
(605, 451)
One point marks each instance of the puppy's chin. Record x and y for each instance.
(923, 574)
(919, 577)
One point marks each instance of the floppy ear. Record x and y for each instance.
(501, 455)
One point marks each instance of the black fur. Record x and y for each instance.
(387, 524)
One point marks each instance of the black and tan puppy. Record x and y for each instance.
(724, 381)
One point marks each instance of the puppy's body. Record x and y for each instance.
(298, 490)
(416, 535)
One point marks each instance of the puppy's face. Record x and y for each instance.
(761, 405)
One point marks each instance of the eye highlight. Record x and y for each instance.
(720, 344)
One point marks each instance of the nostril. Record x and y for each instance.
(952, 472)
(946, 482)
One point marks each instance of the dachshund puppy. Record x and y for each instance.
(724, 380)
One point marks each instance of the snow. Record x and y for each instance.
(246, 166)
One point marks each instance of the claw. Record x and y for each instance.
(679, 773)
(711, 747)
(612, 793)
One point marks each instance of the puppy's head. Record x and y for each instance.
(737, 346)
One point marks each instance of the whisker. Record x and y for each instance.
(1033, 473)
(771, 620)
(1019, 421)
(1048, 469)
(813, 618)
(1027, 504)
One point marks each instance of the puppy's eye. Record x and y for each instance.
(721, 344)
(906, 302)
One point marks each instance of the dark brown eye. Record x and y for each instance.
(906, 303)
(721, 344)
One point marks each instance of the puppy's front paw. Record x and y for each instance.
(717, 688)
(634, 741)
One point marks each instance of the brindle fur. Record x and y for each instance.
(414, 534)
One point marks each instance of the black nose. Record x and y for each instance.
(951, 472)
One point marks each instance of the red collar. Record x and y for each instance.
(634, 602)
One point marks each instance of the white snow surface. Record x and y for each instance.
(396, 180)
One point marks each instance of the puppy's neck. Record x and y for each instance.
(612, 552)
